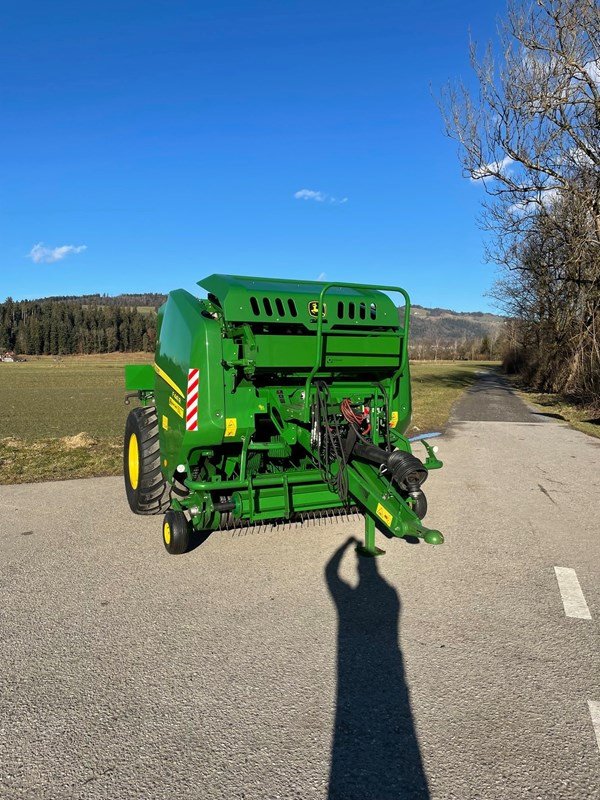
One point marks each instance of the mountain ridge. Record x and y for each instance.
(127, 319)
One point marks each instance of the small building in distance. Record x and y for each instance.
(10, 356)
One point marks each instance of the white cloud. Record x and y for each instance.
(593, 70)
(544, 197)
(319, 197)
(488, 170)
(322, 276)
(310, 194)
(579, 157)
(40, 254)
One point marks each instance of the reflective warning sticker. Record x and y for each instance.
(191, 406)
(165, 422)
(384, 514)
(176, 407)
(394, 419)
(230, 426)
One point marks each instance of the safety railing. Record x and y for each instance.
(402, 355)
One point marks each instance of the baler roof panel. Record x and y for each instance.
(245, 299)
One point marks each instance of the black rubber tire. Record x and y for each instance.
(176, 533)
(420, 505)
(147, 491)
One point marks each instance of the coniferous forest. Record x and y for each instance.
(65, 326)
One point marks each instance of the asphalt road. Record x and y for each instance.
(274, 665)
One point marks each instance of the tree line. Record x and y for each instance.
(66, 327)
(530, 135)
(85, 325)
(475, 348)
(143, 299)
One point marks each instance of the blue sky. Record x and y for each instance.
(165, 140)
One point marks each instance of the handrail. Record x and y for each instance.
(319, 355)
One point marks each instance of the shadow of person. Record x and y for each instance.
(375, 752)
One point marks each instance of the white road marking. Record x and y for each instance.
(595, 712)
(570, 591)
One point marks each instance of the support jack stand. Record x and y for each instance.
(369, 549)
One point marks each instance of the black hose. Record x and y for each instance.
(405, 469)
(332, 443)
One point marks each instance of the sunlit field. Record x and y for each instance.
(63, 418)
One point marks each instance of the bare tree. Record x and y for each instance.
(531, 136)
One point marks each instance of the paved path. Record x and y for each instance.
(269, 666)
(491, 399)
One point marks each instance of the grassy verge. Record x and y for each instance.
(553, 405)
(65, 418)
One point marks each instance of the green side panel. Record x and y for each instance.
(139, 377)
(188, 339)
(192, 339)
(246, 299)
(368, 351)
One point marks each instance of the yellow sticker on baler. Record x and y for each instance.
(230, 426)
(383, 514)
(176, 407)
(165, 422)
(394, 419)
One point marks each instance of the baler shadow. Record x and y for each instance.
(375, 752)
(197, 539)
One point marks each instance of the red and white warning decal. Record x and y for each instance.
(191, 406)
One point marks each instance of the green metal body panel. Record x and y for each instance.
(139, 377)
(261, 349)
(246, 299)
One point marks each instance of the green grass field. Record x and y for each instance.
(65, 418)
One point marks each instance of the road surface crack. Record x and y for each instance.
(545, 491)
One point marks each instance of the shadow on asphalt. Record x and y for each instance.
(548, 414)
(459, 379)
(197, 539)
(375, 752)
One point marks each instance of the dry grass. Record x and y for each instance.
(24, 461)
(553, 405)
(65, 418)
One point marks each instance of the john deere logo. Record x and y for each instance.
(313, 308)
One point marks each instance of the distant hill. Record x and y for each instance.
(426, 323)
(98, 323)
(441, 323)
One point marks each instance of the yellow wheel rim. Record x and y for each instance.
(133, 461)
(167, 533)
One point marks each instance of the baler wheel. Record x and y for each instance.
(147, 490)
(176, 532)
